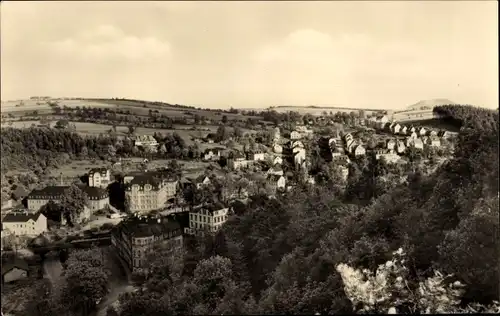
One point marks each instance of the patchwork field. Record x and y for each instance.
(79, 167)
(24, 107)
(319, 110)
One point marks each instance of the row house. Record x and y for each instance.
(299, 157)
(256, 156)
(134, 238)
(277, 160)
(387, 155)
(24, 223)
(207, 219)
(99, 177)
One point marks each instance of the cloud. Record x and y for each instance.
(107, 41)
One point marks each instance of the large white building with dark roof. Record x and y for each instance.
(207, 219)
(149, 191)
(24, 223)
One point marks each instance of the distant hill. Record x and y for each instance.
(428, 104)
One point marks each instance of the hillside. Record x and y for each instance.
(319, 110)
(428, 104)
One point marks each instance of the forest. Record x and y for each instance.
(412, 247)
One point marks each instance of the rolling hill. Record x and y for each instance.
(428, 104)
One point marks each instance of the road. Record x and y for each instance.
(119, 281)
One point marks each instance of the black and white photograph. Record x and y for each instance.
(249, 158)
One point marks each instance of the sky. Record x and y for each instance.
(253, 54)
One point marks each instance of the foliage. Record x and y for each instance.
(86, 280)
(73, 202)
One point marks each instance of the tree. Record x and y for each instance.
(52, 211)
(131, 130)
(221, 134)
(86, 280)
(62, 124)
(224, 119)
(238, 133)
(73, 203)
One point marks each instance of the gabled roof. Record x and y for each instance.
(17, 263)
(94, 192)
(98, 170)
(21, 217)
(52, 191)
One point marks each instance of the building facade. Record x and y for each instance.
(150, 191)
(207, 219)
(24, 223)
(99, 177)
(134, 238)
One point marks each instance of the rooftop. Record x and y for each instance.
(148, 226)
(20, 217)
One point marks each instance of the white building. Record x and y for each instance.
(295, 135)
(99, 177)
(277, 148)
(24, 223)
(206, 219)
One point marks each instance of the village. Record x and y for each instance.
(165, 204)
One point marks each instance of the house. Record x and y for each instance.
(433, 141)
(146, 141)
(277, 148)
(413, 135)
(417, 143)
(299, 157)
(256, 156)
(237, 161)
(150, 191)
(297, 149)
(390, 157)
(444, 134)
(348, 137)
(19, 193)
(382, 120)
(14, 271)
(133, 239)
(432, 133)
(344, 171)
(390, 144)
(297, 143)
(336, 152)
(421, 131)
(277, 170)
(412, 129)
(390, 128)
(400, 147)
(276, 133)
(207, 219)
(404, 130)
(99, 177)
(201, 181)
(295, 135)
(25, 223)
(276, 182)
(359, 150)
(277, 161)
(396, 128)
(210, 138)
(350, 145)
(332, 142)
(341, 160)
(212, 154)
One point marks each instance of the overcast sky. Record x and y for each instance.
(253, 54)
